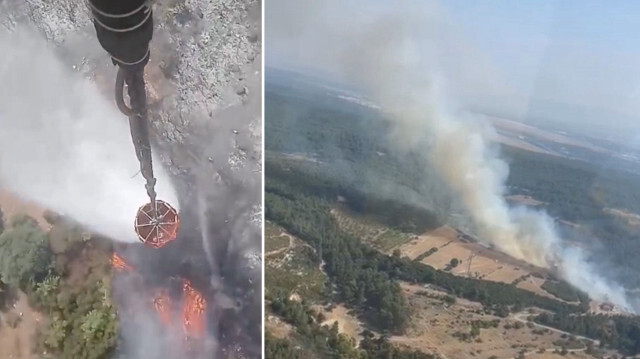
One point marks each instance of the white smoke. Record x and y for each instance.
(63, 145)
(397, 58)
(459, 149)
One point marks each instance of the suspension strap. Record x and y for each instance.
(138, 124)
(124, 29)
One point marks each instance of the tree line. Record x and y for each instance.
(617, 332)
(367, 278)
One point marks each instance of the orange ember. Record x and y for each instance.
(118, 263)
(162, 303)
(193, 307)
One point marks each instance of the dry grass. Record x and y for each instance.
(438, 238)
(486, 263)
(433, 326)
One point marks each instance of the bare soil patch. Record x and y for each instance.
(277, 244)
(17, 343)
(348, 324)
(631, 218)
(524, 129)
(518, 143)
(276, 327)
(551, 355)
(12, 205)
(524, 200)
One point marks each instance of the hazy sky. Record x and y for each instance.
(577, 60)
(580, 52)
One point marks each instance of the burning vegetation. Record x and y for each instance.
(162, 305)
(190, 314)
(193, 309)
(118, 263)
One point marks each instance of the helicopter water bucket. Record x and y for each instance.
(157, 226)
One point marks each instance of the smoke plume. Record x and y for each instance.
(458, 147)
(395, 58)
(63, 145)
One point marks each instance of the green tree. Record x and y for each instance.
(24, 254)
(1, 221)
(46, 292)
(475, 331)
(454, 262)
(3, 296)
(564, 350)
(94, 324)
(276, 348)
(22, 219)
(56, 333)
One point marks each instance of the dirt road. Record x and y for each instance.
(280, 250)
(522, 317)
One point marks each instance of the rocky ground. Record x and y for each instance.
(204, 82)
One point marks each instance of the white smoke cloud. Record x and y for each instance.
(459, 149)
(63, 145)
(396, 58)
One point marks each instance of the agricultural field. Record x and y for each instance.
(369, 230)
(440, 246)
(473, 260)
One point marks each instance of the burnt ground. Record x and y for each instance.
(205, 85)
